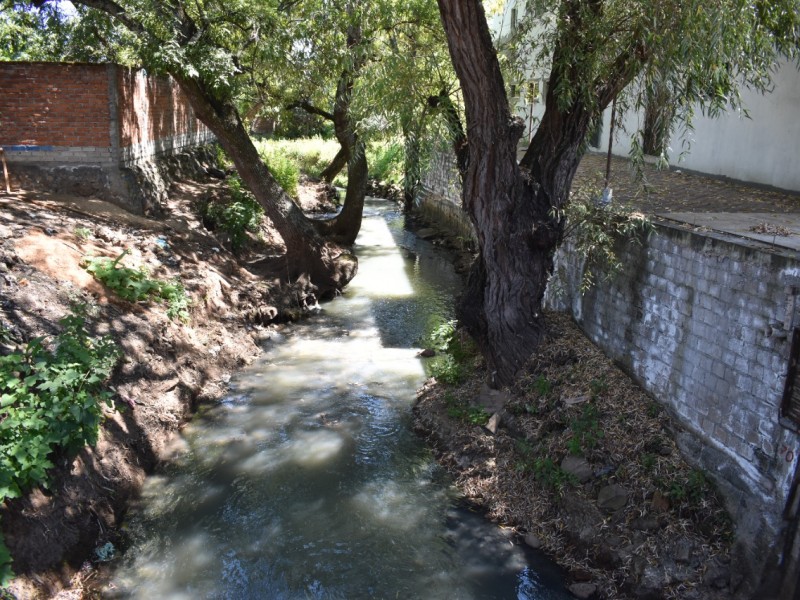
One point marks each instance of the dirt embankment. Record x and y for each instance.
(168, 366)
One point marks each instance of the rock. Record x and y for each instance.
(645, 524)
(427, 233)
(660, 502)
(427, 353)
(494, 423)
(492, 400)
(576, 400)
(532, 540)
(5, 232)
(683, 550)
(612, 498)
(582, 590)
(578, 467)
(717, 576)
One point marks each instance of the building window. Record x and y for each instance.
(514, 19)
(790, 408)
(513, 91)
(533, 92)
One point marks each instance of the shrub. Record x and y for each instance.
(385, 161)
(235, 217)
(51, 400)
(134, 285)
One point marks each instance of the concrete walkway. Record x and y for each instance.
(754, 212)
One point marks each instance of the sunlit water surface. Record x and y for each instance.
(307, 480)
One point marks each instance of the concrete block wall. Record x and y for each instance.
(93, 129)
(440, 196)
(704, 322)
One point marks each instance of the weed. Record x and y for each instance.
(544, 469)
(648, 462)
(597, 387)
(237, 216)
(51, 400)
(456, 409)
(134, 285)
(541, 386)
(653, 410)
(586, 432)
(82, 233)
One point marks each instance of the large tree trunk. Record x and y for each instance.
(510, 206)
(336, 165)
(328, 267)
(344, 227)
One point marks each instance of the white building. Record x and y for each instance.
(763, 149)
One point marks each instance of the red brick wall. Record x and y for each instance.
(152, 109)
(54, 104)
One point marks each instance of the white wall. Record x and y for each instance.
(762, 149)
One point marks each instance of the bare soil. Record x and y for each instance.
(168, 367)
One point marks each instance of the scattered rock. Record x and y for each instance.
(612, 498)
(660, 502)
(427, 353)
(494, 423)
(427, 233)
(645, 523)
(532, 540)
(576, 400)
(577, 466)
(5, 232)
(683, 550)
(583, 590)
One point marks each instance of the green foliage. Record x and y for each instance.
(694, 488)
(283, 169)
(386, 161)
(82, 233)
(236, 216)
(541, 386)
(595, 232)
(454, 352)
(543, 468)
(135, 285)
(458, 409)
(310, 155)
(586, 432)
(51, 401)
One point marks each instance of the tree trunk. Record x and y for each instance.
(336, 165)
(327, 267)
(344, 227)
(511, 206)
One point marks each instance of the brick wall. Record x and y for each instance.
(93, 130)
(154, 116)
(704, 322)
(53, 104)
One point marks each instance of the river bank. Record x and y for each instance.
(169, 366)
(582, 463)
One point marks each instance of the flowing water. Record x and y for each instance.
(306, 481)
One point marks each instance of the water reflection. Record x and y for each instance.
(307, 482)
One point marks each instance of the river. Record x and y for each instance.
(307, 481)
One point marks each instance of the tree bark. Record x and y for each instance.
(510, 205)
(335, 167)
(308, 255)
(344, 227)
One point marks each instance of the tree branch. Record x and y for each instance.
(310, 108)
